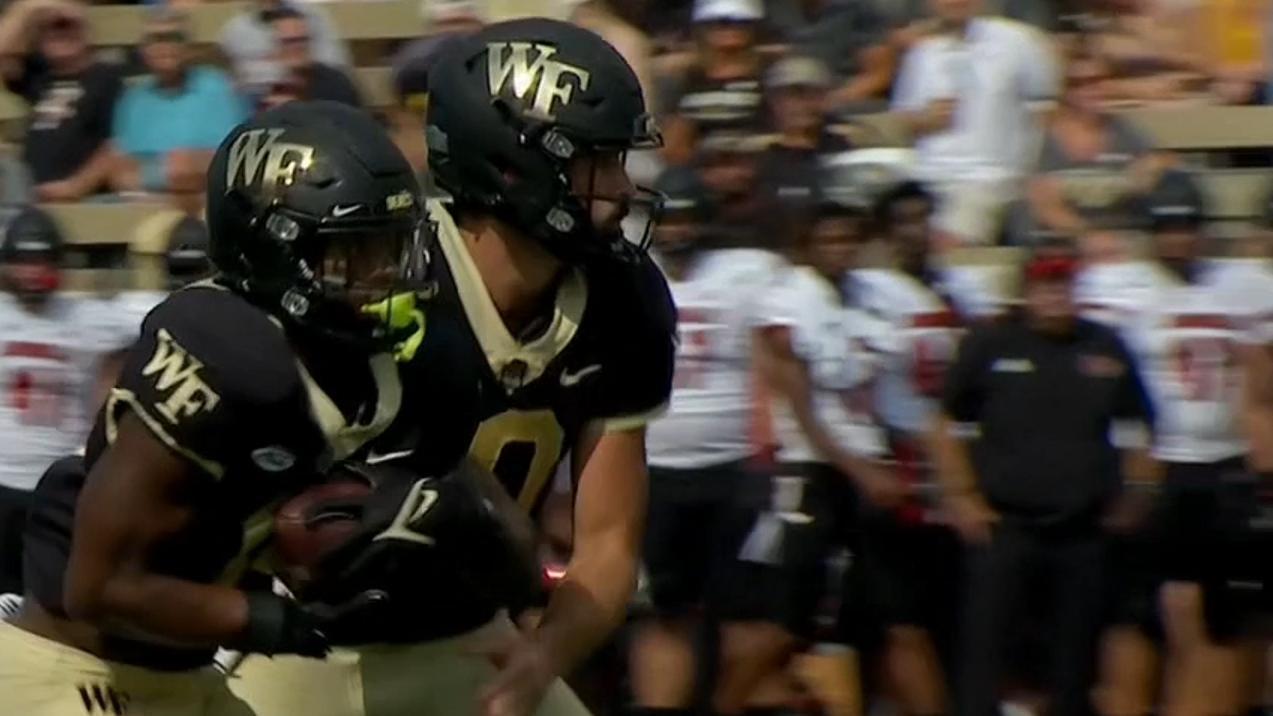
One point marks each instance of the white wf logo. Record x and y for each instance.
(178, 371)
(512, 60)
(257, 156)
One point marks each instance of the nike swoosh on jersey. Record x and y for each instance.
(568, 379)
(375, 458)
(339, 211)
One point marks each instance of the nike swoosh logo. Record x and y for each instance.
(568, 379)
(375, 458)
(339, 211)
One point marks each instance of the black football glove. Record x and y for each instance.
(350, 622)
(278, 625)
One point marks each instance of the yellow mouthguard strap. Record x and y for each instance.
(399, 313)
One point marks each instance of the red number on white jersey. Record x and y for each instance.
(1202, 368)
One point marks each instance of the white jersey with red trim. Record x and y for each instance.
(1185, 336)
(717, 306)
(838, 344)
(48, 361)
(133, 306)
(924, 330)
(975, 290)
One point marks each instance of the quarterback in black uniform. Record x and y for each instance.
(239, 391)
(566, 330)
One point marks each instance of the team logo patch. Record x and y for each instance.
(1013, 365)
(1098, 366)
(398, 202)
(526, 65)
(273, 458)
(176, 373)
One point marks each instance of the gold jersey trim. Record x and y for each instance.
(120, 397)
(499, 346)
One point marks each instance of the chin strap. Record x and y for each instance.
(400, 314)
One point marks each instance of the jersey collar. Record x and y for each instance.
(499, 346)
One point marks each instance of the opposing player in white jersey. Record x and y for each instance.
(1201, 333)
(699, 452)
(811, 351)
(908, 557)
(51, 347)
(185, 260)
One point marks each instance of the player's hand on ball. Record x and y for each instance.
(525, 673)
(346, 623)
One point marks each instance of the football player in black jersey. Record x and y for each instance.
(239, 390)
(565, 328)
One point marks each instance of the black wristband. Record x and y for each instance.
(277, 625)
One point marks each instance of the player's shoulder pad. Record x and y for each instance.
(635, 295)
(631, 308)
(240, 349)
(208, 374)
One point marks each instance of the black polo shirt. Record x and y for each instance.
(1045, 406)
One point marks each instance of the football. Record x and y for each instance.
(311, 525)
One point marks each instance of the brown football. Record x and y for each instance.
(312, 524)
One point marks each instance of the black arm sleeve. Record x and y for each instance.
(964, 392)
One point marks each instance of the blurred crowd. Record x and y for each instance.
(1012, 109)
(769, 110)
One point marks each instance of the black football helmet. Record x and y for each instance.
(31, 253)
(511, 105)
(186, 258)
(842, 189)
(314, 215)
(687, 210)
(1175, 201)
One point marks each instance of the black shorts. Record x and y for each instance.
(1206, 533)
(683, 538)
(14, 506)
(909, 572)
(1133, 581)
(781, 535)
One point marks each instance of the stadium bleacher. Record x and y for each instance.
(1236, 194)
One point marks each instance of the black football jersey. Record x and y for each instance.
(221, 384)
(603, 352)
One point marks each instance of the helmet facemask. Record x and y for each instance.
(354, 284)
(568, 227)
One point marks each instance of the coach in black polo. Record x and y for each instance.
(1032, 492)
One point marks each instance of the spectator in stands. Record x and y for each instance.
(1154, 49)
(615, 21)
(1233, 44)
(605, 18)
(796, 88)
(169, 123)
(728, 163)
(1093, 163)
(722, 87)
(848, 36)
(966, 93)
(48, 62)
(443, 20)
(303, 77)
(247, 40)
